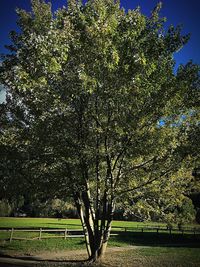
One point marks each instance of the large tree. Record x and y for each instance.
(94, 108)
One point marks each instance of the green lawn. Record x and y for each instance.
(119, 226)
(40, 222)
(155, 257)
(66, 223)
(152, 249)
(60, 223)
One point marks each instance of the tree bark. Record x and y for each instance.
(79, 207)
(96, 239)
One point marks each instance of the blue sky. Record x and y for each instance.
(184, 12)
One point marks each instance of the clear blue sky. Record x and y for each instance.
(186, 12)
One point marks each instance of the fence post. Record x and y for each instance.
(65, 233)
(11, 234)
(40, 234)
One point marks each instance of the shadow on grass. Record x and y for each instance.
(36, 261)
(157, 239)
(151, 239)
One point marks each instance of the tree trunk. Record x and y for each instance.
(96, 238)
(96, 223)
(84, 226)
(98, 247)
(98, 251)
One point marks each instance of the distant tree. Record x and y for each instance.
(5, 208)
(86, 90)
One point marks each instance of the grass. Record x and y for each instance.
(37, 246)
(61, 223)
(69, 223)
(155, 257)
(45, 223)
(155, 240)
(121, 240)
(10, 222)
(152, 249)
(140, 256)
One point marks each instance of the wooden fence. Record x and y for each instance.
(63, 233)
(159, 229)
(74, 233)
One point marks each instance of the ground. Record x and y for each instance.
(131, 248)
(131, 256)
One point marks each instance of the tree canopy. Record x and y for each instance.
(87, 89)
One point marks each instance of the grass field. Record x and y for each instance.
(39, 222)
(155, 257)
(153, 249)
(60, 223)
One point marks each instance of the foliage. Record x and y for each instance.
(5, 208)
(86, 89)
(162, 202)
(33, 207)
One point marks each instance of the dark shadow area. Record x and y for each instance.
(9, 265)
(48, 264)
(158, 239)
(3, 247)
(37, 259)
(40, 262)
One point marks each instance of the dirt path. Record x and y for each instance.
(79, 254)
(132, 256)
(62, 255)
(61, 258)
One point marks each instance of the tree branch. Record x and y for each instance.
(144, 184)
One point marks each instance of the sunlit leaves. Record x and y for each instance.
(91, 82)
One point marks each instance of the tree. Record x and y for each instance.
(87, 88)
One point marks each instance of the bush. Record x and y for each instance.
(5, 208)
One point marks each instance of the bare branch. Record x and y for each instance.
(143, 164)
(121, 153)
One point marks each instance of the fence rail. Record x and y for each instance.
(157, 229)
(67, 233)
(74, 233)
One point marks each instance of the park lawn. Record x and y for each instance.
(123, 239)
(10, 222)
(155, 256)
(45, 223)
(146, 249)
(13, 222)
(139, 256)
(36, 246)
